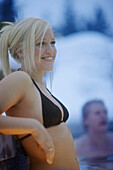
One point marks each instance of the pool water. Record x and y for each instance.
(104, 163)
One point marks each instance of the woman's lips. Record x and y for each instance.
(47, 58)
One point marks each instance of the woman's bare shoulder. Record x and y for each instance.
(17, 83)
(17, 78)
(12, 89)
(18, 74)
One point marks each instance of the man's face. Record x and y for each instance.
(97, 118)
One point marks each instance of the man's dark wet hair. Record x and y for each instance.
(85, 108)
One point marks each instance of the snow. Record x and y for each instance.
(84, 71)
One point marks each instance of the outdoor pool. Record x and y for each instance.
(104, 163)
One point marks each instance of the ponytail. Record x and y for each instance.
(4, 45)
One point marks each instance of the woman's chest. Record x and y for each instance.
(43, 107)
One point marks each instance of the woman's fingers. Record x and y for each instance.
(46, 143)
(50, 152)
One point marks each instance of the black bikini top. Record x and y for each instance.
(51, 113)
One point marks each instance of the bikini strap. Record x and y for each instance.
(36, 85)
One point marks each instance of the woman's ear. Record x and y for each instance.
(19, 51)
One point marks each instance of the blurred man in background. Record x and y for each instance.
(97, 141)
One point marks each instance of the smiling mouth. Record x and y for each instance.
(47, 58)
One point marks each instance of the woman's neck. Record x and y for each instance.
(36, 76)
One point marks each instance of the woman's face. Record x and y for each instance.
(48, 51)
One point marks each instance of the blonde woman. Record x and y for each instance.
(33, 113)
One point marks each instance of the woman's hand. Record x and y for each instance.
(22, 126)
(44, 140)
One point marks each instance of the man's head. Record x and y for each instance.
(95, 116)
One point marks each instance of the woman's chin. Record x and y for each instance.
(49, 68)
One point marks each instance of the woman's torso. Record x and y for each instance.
(31, 107)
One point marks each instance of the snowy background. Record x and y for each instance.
(84, 63)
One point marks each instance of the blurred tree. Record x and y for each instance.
(69, 25)
(99, 24)
(8, 12)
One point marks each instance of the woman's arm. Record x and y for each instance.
(12, 89)
(16, 126)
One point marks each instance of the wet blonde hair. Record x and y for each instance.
(21, 36)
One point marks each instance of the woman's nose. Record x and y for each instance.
(49, 49)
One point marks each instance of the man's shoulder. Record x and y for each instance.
(79, 142)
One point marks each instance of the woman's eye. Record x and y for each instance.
(53, 42)
(43, 43)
